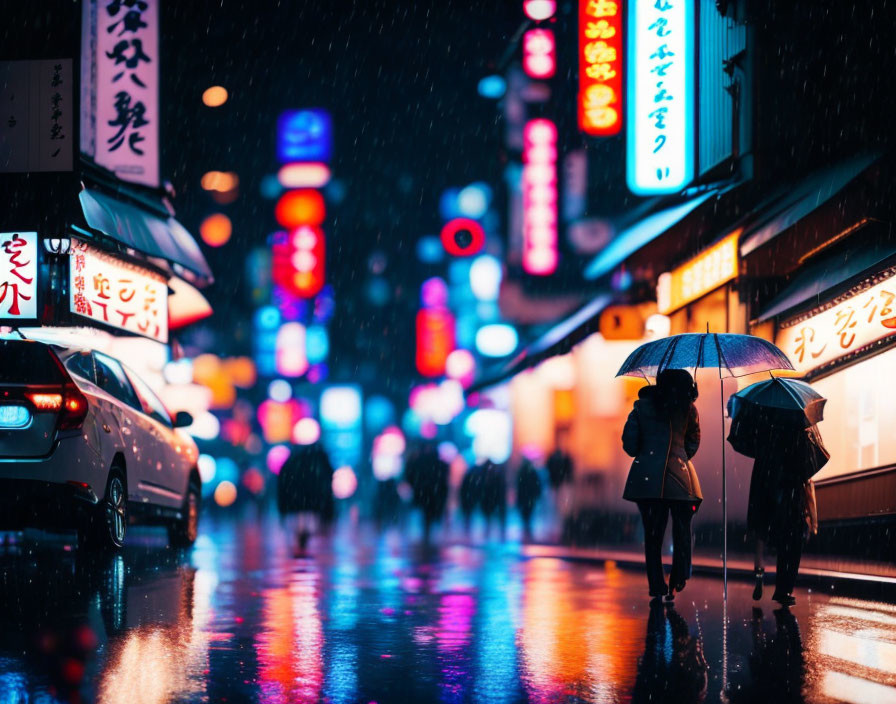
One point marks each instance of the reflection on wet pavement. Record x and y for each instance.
(374, 618)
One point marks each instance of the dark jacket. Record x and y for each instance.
(662, 449)
(305, 482)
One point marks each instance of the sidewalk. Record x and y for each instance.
(815, 570)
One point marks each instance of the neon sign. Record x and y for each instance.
(18, 275)
(435, 340)
(540, 197)
(539, 53)
(304, 135)
(704, 273)
(600, 67)
(660, 119)
(462, 237)
(298, 261)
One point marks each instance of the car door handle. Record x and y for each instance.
(107, 428)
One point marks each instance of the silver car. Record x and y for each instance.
(85, 444)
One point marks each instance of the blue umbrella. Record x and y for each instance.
(731, 354)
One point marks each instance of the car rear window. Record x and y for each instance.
(26, 362)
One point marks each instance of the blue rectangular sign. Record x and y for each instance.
(304, 135)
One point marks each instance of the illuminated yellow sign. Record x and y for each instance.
(704, 273)
(836, 332)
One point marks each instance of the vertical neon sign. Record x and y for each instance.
(660, 122)
(600, 67)
(540, 197)
(539, 53)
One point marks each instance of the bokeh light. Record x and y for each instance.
(276, 457)
(473, 201)
(306, 432)
(304, 175)
(492, 87)
(344, 482)
(496, 340)
(225, 494)
(279, 390)
(539, 10)
(207, 467)
(215, 96)
(485, 277)
(216, 230)
(304, 206)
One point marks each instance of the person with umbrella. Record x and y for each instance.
(662, 433)
(775, 423)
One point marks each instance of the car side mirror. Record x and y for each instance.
(183, 419)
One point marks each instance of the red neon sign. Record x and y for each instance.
(435, 340)
(303, 206)
(462, 237)
(600, 67)
(539, 53)
(298, 261)
(540, 197)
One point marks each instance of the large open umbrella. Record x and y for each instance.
(733, 355)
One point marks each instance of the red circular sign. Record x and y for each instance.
(462, 237)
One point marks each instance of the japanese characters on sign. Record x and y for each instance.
(120, 87)
(660, 121)
(600, 67)
(18, 276)
(36, 131)
(704, 273)
(850, 325)
(118, 294)
(540, 197)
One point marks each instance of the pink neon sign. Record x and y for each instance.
(540, 197)
(539, 53)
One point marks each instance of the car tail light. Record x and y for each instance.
(45, 402)
(74, 408)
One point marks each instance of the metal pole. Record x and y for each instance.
(724, 491)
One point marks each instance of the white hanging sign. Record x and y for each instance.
(18, 276)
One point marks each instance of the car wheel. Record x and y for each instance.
(108, 524)
(182, 533)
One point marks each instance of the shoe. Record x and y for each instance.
(784, 599)
(757, 590)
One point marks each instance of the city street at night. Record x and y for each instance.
(447, 351)
(367, 618)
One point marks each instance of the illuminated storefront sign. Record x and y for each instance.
(462, 237)
(18, 276)
(298, 261)
(846, 327)
(435, 340)
(600, 67)
(304, 135)
(116, 293)
(704, 273)
(120, 88)
(660, 120)
(540, 197)
(539, 53)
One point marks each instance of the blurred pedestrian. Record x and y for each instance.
(427, 475)
(304, 489)
(528, 491)
(662, 433)
(560, 477)
(494, 496)
(781, 508)
(471, 493)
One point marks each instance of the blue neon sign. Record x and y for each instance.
(304, 135)
(660, 119)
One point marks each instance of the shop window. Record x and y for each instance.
(859, 416)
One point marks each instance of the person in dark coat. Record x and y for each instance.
(471, 492)
(780, 510)
(494, 495)
(559, 467)
(304, 487)
(427, 474)
(662, 433)
(528, 491)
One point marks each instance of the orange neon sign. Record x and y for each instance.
(600, 67)
(707, 271)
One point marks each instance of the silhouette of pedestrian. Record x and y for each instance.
(662, 433)
(494, 495)
(471, 493)
(528, 491)
(304, 489)
(427, 475)
(781, 508)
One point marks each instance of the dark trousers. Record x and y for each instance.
(655, 515)
(789, 545)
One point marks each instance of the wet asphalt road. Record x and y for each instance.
(367, 617)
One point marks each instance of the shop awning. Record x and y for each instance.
(633, 238)
(559, 339)
(794, 203)
(813, 284)
(163, 238)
